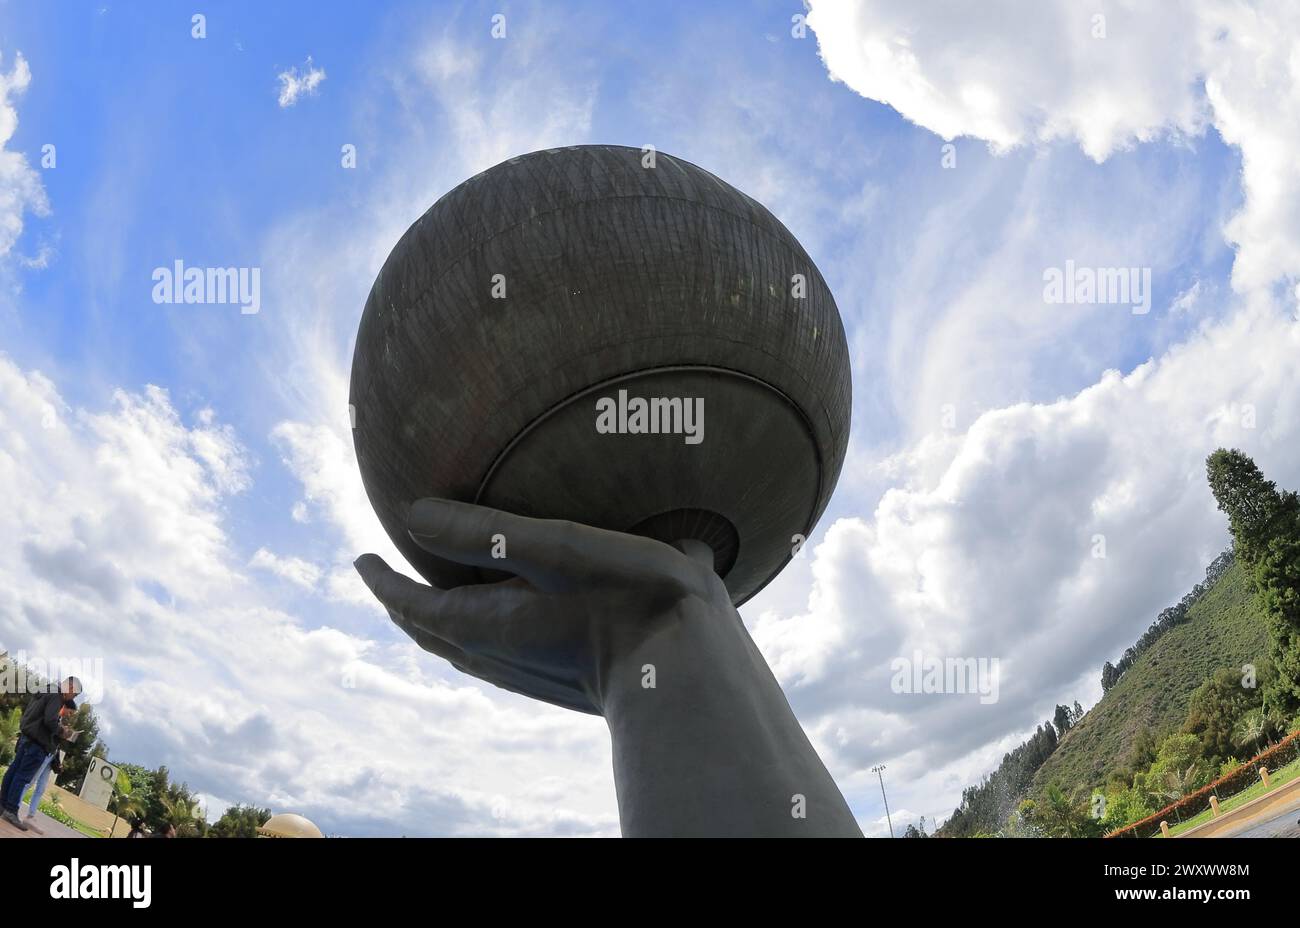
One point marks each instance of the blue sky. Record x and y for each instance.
(176, 148)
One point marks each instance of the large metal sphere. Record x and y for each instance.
(661, 281)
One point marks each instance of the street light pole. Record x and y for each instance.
(878, 770)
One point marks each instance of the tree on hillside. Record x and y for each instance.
(1060, 815)
(1178, 766)
(984, 808)
(1265, 525)
(1063, 719)
(1124, 807)
(917, 830)
(1257, 727)
(1142, 754)
(1215, 710)
(1168, 619)
(1252, 503)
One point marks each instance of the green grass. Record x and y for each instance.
(53, 811)
(1225, 628)
(1285, 775)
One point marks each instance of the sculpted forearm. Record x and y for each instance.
(644, 634)
(705, 743)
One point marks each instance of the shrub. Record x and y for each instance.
(1234, 782)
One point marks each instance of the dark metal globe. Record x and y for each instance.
(526, 300)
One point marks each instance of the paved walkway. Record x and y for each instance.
(1272, 815)
(1286, 825)
(49, 828)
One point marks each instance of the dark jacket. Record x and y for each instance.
(40, 720)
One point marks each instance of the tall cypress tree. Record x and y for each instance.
(1265, 525)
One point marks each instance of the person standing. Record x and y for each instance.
(53, 764)
(40, 730)
(50, 765)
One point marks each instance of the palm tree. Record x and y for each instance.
(1178, 785)
(1251, 729)
(1062, 816)
(124, 804)
(180, 811)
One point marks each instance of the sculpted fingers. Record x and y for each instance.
(398, 593)
(487, 631)
(554, 555)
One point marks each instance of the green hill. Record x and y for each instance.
(1224, 628)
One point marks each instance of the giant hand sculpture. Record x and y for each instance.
(641, 633)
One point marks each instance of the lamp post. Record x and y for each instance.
(878, 770)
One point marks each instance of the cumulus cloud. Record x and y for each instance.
(483, 761)
(1011, 73)
(986, 546)
(20, 186)
(294, 569)
(295, 84)
(120, 553)
(322, 459)
(982, 541)
(153, 477)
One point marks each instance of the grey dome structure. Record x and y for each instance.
(544, 286)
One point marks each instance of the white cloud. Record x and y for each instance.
(20, 185)
(972, 330)
(322, 459)
(294, 84)
(147, 475)
(980, 544)
(1013, 73)
(1186, 301)
(983, 547)
(499, 107)
(294, 569)
(119, 551)
(1253, 85)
